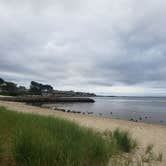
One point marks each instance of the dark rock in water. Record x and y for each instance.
(90, 112)
(78, 112)
(83, 113)
(161, 121)
(131, 119)
(140, 118)
(146, 117)
(68, 111)
(59, 109)
(100, 114)
(111, 113)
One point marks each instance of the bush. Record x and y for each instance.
(124, 141)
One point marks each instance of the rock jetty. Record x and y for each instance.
(42, 99)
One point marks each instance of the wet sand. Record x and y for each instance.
(144, 133)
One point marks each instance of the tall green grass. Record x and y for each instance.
(33, 140)
(1, 147)
(124, 141)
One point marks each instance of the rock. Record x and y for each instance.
(59, 109)
(73, 111)
(131, 119)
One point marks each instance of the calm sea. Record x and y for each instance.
(140, 109)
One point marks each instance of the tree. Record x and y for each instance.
(1, 81)
(38, 88)
(8, 88)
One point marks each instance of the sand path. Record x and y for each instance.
(144, 133)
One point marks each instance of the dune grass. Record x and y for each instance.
(34, 140)
(124, 141)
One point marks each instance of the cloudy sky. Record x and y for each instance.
(113, 47)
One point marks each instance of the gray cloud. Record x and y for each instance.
(85, 45)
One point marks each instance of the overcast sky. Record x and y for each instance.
(113, 47)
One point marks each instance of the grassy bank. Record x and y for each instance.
(33, 140)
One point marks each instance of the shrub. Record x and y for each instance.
(124, 140)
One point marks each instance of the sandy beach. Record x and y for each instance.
(145, 134)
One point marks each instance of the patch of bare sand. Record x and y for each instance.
(145, 134)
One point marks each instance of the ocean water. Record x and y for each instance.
(139, 109)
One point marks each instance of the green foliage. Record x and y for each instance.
(124, 141)
(37, 140)
(33, 140)
(37, 88)
(0, 147)
(10, 88)
(1, 81)
(57, 142)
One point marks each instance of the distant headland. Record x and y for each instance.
(35, 88)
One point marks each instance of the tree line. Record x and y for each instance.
(10, 88)
(35, 88)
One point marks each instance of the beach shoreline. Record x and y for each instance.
(144, 133)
